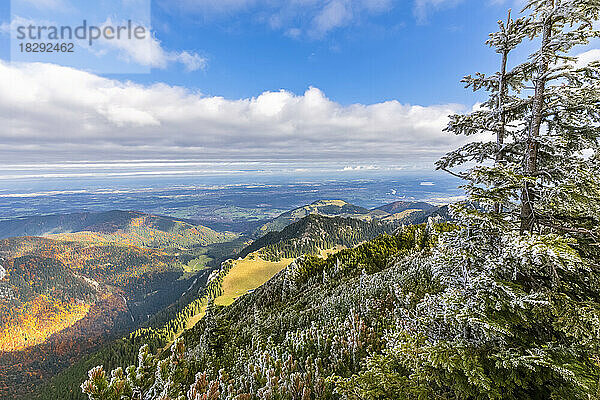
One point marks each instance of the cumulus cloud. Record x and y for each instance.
(149, 52)
(50, 112)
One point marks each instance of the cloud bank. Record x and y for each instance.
(50, 112)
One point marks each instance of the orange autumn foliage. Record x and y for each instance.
(39, 319)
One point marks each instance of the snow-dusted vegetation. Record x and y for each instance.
(504, 303)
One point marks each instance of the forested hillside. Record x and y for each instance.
(314, 233)
(155, 334)
(401, 206)
(399, 212)
(58, 299)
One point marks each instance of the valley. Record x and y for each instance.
(89, 280)
(75, 284)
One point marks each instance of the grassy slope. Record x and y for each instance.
(245, 276)
(248, 274)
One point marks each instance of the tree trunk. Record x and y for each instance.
(528, 194)
(502, 89)
(501, 129)
(501, 96)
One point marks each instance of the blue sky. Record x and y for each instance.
(373, 58)
(399, 50)
(298, 87)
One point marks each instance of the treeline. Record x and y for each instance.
(157, 337)
(370, 257)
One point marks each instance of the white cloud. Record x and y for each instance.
(333, 15)
(149, 52)
(56, 113)
(361, 168)
(191, 61)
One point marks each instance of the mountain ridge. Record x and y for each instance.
(122, 227)
(397, 212)
(314, 233)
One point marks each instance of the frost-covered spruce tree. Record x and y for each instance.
(564, 106)
(517, 315)
(543, 112)
(500, 117)
(514, 282)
